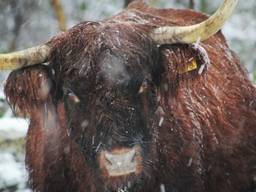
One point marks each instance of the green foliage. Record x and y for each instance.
(2, 50)
(2, 107)
(1, 113)
(203, 5)
(83, 6)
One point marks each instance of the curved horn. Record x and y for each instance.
(31, 56)
(190, 34)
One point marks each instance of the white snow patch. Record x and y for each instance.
(85, 123)
(190, 162)
(161, 121)
(162, 188)
(98, 147)
(13, 128)
(11, 172)
(2, 96)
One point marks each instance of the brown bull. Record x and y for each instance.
(129, 105)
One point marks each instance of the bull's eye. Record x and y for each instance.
(143, 88)
(71, 96)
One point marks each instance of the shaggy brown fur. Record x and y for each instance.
(207, 141)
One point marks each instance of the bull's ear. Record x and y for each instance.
(182, 61)
(28, 88)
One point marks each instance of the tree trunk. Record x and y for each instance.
(191, 4)
(18, 21)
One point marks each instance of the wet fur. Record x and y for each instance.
(207, 139)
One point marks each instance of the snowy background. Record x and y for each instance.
(30, 22)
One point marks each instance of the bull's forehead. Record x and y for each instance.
(113, 68)
(117, 53)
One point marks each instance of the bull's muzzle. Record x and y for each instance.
(121, 162)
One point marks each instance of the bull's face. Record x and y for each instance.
(110, 106)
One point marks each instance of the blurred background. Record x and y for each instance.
(28, 23)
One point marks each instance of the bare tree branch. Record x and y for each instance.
(59, 13)
(18, 21)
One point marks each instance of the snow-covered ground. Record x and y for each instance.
(12, 128)
(13, 176)
(12, 172)
(12, 168)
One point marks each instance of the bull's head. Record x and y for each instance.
(107, 75)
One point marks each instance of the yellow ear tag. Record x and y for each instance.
(190, 67)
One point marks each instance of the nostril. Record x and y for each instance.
(133, 157)
(108, 159)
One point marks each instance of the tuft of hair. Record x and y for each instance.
(28, 88)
